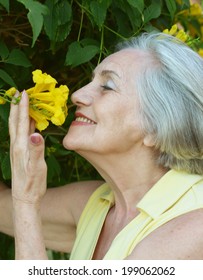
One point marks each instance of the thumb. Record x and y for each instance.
(36, 146)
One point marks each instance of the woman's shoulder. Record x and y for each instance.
(180, 238)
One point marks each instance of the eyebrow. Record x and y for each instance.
(107, 72)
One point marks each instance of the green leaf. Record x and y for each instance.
(4, 115)
(99, 9)
(150, 28)
(3, 130)
(152, 11)
(139, 4)
(7, 78)
(89, 41)
(35, 16)
(184, 4)
(171, 5)
(57, 23)
(6, 167)
(54, 168)
(36, 24)
(17, 57)
(4, 51)
(131, 14)
(77, 54)
(5, 4)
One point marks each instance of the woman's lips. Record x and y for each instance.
(82, 120)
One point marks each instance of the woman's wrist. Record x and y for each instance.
(28, 230)
(25, 212)
(25, 203)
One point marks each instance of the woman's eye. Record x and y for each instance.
(109, 85)
(105, 87)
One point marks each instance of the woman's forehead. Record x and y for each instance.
(122, 60)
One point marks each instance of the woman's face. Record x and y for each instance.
(107, 118)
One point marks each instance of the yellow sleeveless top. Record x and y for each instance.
(174, 194)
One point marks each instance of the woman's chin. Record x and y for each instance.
(69, 143)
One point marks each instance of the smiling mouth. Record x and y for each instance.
(85, 120)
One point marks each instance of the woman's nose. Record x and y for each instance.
(82, 97)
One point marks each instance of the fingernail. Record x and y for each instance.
(23, 93)
(35, 139)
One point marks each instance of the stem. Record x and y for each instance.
(13, 99)
(101, 45)
(76, 169)
(81, 23)
(138, 31)
(114, 32)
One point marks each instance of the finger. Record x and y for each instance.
(23, 127)
(36, 148)
(32, 126)
(13, 119)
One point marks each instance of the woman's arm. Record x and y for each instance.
(28, 182)
(60, 211)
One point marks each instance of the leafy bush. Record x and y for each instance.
(67, 39)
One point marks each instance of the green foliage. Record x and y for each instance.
(5, 4)
(171, 5)
(79, 53)
(58, 22)
(67, 39)
(35, 16)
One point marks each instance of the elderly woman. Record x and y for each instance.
(139, 122)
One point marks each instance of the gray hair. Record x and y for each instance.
(170, 92)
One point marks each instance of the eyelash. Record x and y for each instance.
(105, 87)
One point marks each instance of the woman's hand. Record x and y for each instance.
(28, 182)
(27, 155)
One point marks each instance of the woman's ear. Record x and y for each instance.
(149, 140)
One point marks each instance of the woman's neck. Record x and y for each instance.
(129, 176)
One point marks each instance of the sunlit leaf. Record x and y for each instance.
(4, 51)
(35, 16)
(58, 22)
(5, 4)
(99, 9)
(152, 11)
(77, 54)
(171, 5)
(139, 4)
(7, 78)
(17, 57)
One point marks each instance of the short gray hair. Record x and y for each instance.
(170, 92)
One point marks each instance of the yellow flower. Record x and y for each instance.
(194, 10)
(10, 92)
(180, 34)
(172, 31)
(43, 81)
(200, 52)
(2, 101)
(47, 103)
(7, 95)
(41, 121)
